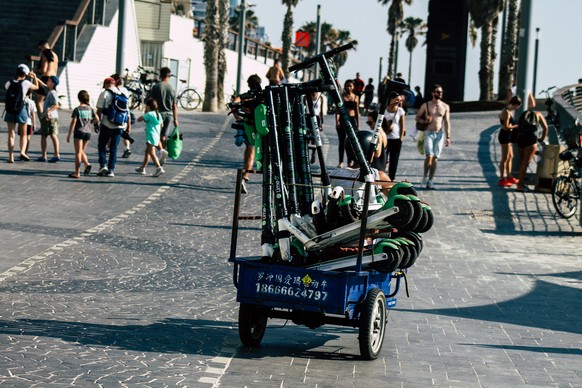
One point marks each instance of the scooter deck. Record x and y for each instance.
(348, 232)
(348, 262)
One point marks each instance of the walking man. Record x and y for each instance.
(436, 114)
(165, 96)
(275, 73)
(47, 67)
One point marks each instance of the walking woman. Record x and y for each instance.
(527, 140)
(394, 115)
(352, 103)
(507, 136)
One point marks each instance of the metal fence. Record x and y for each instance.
(568, 104)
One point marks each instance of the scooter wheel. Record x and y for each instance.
(427, 212)
(405, 213)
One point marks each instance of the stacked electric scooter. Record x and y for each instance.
(307, 221)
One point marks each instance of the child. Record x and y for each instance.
(82, 118)
(153, 121)
(31, 121)
(49, 122)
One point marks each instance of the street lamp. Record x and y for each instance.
(535, 69)
(241, 37)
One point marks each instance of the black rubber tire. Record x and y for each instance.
(401, 219)
(372, 324)
(252, 324)
(564, 196)
(414, 253)
(390, 264)
(415, 238)
(416, 216)
(429, 222)
(423, 221)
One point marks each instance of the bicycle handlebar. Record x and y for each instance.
(328, 54)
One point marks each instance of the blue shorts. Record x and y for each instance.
(20, 118)
(433, 143)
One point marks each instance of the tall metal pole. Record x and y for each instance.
(535, 74)
(241, 38)
(120, 38)
(317, 37)
(523, 59)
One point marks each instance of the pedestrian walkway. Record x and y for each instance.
(125, 281)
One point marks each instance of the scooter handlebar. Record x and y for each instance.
(328, 54)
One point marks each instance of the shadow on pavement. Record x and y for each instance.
(548, 306)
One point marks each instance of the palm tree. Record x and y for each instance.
(395, 16)
(508, 51)
(286, 36)
(414, 27)
(251, 21)
(483, 14)
(211, 39)
(311, 28)
(343, 37)
(223, 11)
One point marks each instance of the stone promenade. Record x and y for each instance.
(125, 281)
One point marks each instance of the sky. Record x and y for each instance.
(559, 53)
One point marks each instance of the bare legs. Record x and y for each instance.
(505, 164)
(249, 160)
(430, 165)
(150, 153)
(55, 140)
(80, 156)
(526, 155)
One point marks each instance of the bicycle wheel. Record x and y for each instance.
(564, 196)
(135, 89)
(189, 99)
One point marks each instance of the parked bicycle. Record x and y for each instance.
(140, 86)
(188, 98)
(566, 188)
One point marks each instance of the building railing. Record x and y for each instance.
(63, 39)
(568, 103)
(251, 47)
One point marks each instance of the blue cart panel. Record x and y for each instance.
(304, 289)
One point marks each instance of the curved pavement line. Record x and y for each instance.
(31, 261)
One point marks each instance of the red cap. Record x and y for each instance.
(108, 81)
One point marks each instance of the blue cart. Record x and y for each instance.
(312, 296)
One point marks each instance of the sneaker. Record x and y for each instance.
(504, 182)
(159, 171)
(243, 187)
(424, 182)
(103, 171)
(41, 159)
(54, 159)
(110, 174)
(163, 156)
(140, 170)
(513, 180)
(126, 154)
(430, 186)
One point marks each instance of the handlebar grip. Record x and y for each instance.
(328, 54)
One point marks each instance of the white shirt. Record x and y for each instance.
(395, 118)
(103, 102)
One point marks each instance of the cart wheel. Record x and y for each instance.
(372, 324)
(252, 322)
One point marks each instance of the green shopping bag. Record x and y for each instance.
(174, 144)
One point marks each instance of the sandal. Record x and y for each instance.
(72, 175)
(87, 170)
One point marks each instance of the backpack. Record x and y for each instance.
(527, 123)
(14, 97)
(117, 111)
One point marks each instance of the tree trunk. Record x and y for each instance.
(211, 56)
(223, 10)
(508, 52)
(485, 62)
(493, 58)
(409, 68)
(286, 38)
(391, 54)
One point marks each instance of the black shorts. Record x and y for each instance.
(41, 90)
(505, 136)
(82, 136)
(526, 140)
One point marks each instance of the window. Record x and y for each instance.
(151, 54)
